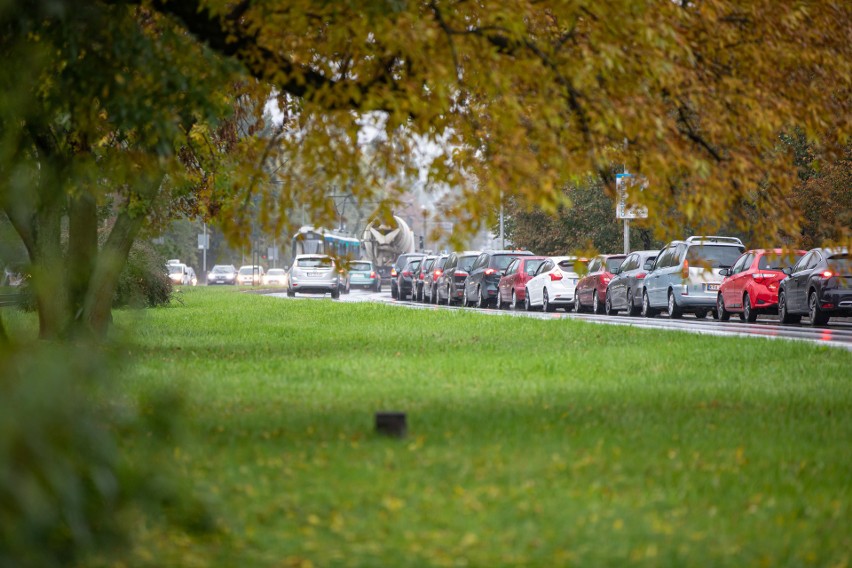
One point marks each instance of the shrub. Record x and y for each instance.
(144, 281)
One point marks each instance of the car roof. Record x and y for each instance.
(301, 256)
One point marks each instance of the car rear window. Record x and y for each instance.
(774, 261)
(361, 266)
(840, 264)
(314, 263)
(275, 272)
(246, 270)
(714, 256)
(501, 261)
(414, 265)
(613, 263)
(440, 262)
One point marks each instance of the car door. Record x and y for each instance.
(654, 283)
(732, 292)
(618, 285)
(507, 282)
(796, 301)
(473, 278)
(536, 283)
(586, 285)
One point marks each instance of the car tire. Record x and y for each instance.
(647, 310)
(394, 292)
(701, 314)
(675, 312)
(597, 308)
(449, 297)
(291, 293)
(335, 294)
(632, 310)
(578, 307)
(527, 304)
(545, 302)
(783, 314)
(608, 305)
(721, 313)
(815, 315)
(514, 304)
(749, 314)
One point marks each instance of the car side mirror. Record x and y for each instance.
(725, 272)
(788, 270)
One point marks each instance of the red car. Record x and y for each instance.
(591, 289)
(750, 286)
(510, 289)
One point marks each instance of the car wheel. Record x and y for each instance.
(527, 305)
(394, 292)
(578, 307)
(608, 305)
(449, 298)
(632, 310)
(647, 310)
(596, 304)
(378, 287)
(783, 314)
(514, 304)
(291, 293)
(701, 314)
(721, 313)
(335, 294)
(815, 315)
(545, 302)
(674, 310)
(749, 314)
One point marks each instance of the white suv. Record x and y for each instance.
(685, 276)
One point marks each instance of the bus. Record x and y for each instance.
(311, 240)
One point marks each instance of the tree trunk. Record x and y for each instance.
(97, 307)
(82, 251)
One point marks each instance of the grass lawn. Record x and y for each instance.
(534, 443)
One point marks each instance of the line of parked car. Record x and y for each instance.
(700, 275)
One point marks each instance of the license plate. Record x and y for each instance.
(712, 287)
(313, 274)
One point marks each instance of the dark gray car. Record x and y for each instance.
(624, 292)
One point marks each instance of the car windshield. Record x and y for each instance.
(714, 256)
(175, 269)
(360, 267)
(841, 264)
(772, 261)
(246, 270)
(275, 272)
(613, 263)
(500, 262)
(217, 269)
(314, 263)
(466, 262)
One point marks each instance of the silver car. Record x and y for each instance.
(686, 276)
(316, 273)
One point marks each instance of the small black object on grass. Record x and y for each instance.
(391, 424)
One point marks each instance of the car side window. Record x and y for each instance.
(512, 268)
(546, 266)
(679, 255)
(738, 265)
(815, 258)
(803, 262)
(663, 258)
(631, 263)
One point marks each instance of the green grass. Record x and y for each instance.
(544, 443)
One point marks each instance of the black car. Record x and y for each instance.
(819, 286)
(430, 281)
(624, 291)
(420, 276)
(450, 287)
(405, 279)
(396, 268)
(481, 287)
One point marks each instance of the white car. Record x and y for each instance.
(179, 274)
(275, 277)
(249, 275)
(553, 285)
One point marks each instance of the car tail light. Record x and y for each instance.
(826, 274)
(685, 272)
(605, 279)
(373, 274)
(640, 276)
(490, 271)
(437, 273)
(761, 276)
(461, 273)
(406, 273)
(394, 272)
(555, 275)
